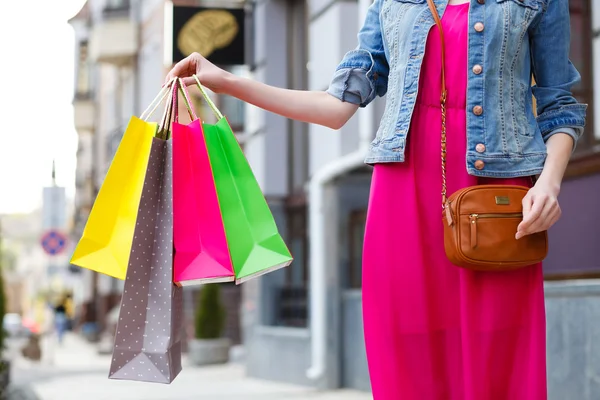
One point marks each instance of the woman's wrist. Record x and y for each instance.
(551, 179)
(552, 175)
(229, 81)
(559, 152)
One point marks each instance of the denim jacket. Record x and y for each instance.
(508, 42)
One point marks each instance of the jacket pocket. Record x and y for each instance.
(411, 1)
(533, 4)
(524, 126)
(518, 13)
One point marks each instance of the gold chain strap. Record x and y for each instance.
(444, 195)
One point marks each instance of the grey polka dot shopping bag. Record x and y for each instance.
(148, 339)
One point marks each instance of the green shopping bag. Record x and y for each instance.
(255, 245)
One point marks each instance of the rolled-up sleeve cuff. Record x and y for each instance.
(569, 119)
(573, 132)
(352, 85)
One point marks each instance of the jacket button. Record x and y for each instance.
(479, 27)
(375, 76)
(477, 110)
(477, 69)
(481, 1)
(480, 148)
(479, 164)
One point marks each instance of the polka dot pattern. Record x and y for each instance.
(148, 338)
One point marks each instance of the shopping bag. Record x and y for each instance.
(201, 251)
(107, 237)
(255, 245)
(148, 339)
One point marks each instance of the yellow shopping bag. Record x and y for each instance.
(107, 237)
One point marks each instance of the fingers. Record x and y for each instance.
(557, 212)
(183, 69)
(175, 71)
(539, 214)
(527, 216)
(543, 220)
(168, 82)
(189, 81)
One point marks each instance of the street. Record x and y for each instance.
(75, 372)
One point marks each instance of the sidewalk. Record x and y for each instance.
(79, 373)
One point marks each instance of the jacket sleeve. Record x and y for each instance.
(363, 73)
(558, 111)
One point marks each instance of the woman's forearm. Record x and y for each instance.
(316, 107)
(560, 147)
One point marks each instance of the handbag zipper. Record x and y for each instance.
(474, 217)
(512, 215)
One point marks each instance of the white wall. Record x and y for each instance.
(267, 150)
(150, 62)
(332, 34)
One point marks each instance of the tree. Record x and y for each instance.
(2, 295)
(210, 314)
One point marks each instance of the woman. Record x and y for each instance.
(433, 330)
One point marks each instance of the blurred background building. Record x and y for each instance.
(303, 324)
(120, 66)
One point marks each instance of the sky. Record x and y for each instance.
(36, 116)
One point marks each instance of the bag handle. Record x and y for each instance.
(443, 97)
(163, 119)
(160, 97)
(170, 114)
(188, 102)
(214, 108)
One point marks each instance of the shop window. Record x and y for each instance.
(585, 44)
(292, 295)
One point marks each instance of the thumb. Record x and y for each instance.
(189, 81)
(527, 205)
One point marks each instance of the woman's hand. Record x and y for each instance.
(209, 74)
(540, 208)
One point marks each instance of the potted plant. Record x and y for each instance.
(208, 346)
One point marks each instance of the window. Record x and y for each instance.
(297, 55)
(292, 296)
(116, 8)
(585, 45)
(112, 143)
(82, 88)
(234, 109)
(356, 235)
(117, 3)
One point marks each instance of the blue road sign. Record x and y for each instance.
(54, 242)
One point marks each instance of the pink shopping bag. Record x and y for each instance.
(201, 250)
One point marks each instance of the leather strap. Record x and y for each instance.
(443, 97)
(438, 22)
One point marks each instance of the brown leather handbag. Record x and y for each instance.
(480, 222)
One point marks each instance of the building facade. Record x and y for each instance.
(120, 67)
(303, 324)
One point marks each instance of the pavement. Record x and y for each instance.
(74, 371)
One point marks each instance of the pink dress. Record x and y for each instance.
(435, 331)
